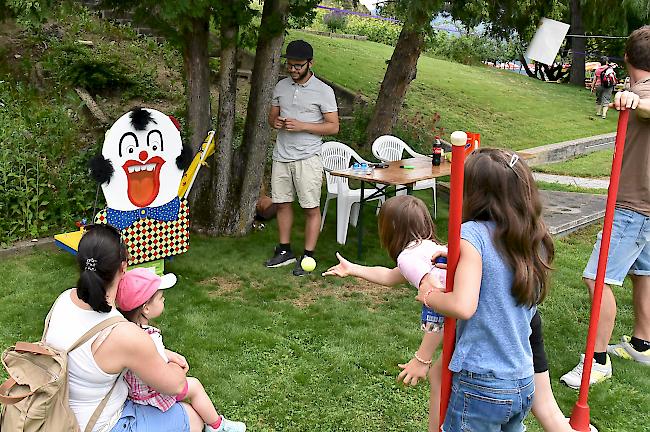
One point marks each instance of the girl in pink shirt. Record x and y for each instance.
(140, 298)
(407, 233)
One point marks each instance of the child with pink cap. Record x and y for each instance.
(140, 298)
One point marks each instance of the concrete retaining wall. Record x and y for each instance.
(562, 151)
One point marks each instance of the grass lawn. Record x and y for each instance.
(314, 354)
(596, 164)
(508, 109)
(568, 188)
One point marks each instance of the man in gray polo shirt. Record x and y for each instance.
(303, 110)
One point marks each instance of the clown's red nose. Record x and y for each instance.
(143, 156)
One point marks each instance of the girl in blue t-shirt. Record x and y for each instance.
(502, 274)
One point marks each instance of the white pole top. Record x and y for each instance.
(458, 138)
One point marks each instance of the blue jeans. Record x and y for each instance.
(629, 248)
(145, 418)
(482, 403)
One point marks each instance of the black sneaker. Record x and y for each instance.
(297, 269)
(281, 258)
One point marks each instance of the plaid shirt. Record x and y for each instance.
(141, 393)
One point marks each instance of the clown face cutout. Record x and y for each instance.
(143, 147)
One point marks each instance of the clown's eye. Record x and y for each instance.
(155, 140)
(128, 143)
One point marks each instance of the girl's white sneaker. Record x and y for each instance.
(227, 426)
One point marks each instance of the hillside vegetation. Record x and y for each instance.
(47, 135)
(508, 109)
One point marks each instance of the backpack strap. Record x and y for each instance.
(5, 388)
(98, 411)
(93, 331)
(82, 340)
(47, 318)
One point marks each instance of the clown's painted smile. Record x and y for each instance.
(143, 180)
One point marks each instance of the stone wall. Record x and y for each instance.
(562, 151)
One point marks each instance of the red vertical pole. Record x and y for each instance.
(458, 140)
(580, 415)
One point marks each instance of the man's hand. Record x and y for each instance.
(625, 100)
(293, 125)
(279, 122)
(178, 359)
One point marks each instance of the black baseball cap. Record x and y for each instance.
(299, 50)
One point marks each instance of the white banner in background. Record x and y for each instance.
(547, 41)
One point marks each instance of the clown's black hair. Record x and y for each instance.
(140, 118)
(184, 160)
(101, 169)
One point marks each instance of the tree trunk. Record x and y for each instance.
(213, 181)
(401, 70)
(578, 46)
(249, 161)
(197, 74)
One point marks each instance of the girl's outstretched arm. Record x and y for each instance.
(463, 301)
(379, 275)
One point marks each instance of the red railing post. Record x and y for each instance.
(458, 141)
(580, 416)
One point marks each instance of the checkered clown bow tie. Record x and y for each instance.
(165, 213)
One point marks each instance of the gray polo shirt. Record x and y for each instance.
(306, 103)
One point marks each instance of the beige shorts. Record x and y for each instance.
(304, 177)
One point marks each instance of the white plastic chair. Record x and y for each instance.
(338, 156)
(388, 148)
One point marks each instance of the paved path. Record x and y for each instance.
(572, 181)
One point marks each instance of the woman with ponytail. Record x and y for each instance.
(95, 368)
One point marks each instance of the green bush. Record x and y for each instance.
(99, 70)
(78, 66)
(470, 49)
(335, 21)
(376, 30)
(44, 184)
(353, 132)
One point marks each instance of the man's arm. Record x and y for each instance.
(274, 118)
(329, 125)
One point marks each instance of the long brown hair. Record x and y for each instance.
(499, 187)
(403, 219)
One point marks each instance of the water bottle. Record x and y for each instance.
(437, 152)
(364, 168)
(432, 321)
(356, 168)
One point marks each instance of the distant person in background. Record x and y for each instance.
(303, 109)
(603, 82)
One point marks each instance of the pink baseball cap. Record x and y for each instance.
(137, 286)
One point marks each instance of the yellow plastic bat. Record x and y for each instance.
(207, 149)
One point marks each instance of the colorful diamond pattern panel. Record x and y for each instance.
(148, 239)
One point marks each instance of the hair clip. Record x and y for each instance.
(513, 160)
(90, 264)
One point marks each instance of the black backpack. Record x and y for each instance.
(607, 80)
